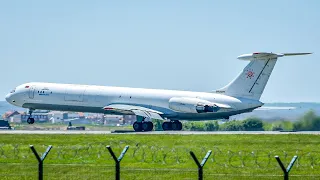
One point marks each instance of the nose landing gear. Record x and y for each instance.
(30, 119)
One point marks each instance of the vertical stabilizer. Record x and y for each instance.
(251, 82)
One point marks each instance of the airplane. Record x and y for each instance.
(240, 96)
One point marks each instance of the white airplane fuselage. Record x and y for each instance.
(239, 96)
(89, 98)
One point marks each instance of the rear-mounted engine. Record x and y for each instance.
(192, 105)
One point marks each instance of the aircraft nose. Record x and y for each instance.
(8, 97)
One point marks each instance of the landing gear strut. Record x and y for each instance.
(30, 119)
(143, 126)
(172, 125)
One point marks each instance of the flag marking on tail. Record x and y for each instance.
(250, 73)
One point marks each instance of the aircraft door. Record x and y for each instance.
(31, 92)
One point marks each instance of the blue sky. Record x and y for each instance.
(183, 45)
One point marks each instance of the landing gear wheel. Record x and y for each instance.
(166, 126)
(176, 126)
(137, 126)
(150, 125)
(30, 120)
(179, 126)
(145, 126)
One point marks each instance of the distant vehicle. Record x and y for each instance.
(70, 127)
(76, 128)
(4, 125)
(239, 96)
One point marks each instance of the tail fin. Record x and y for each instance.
(251, 82)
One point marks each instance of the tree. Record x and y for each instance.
(193, 126)
(197, 126)
(253, 124)
(232, 126)
(211, 126)
(277, 127)
(309, 122)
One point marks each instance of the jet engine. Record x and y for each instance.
(192, 105)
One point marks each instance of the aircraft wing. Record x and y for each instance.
(134, 110)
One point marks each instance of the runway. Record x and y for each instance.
(153, 132)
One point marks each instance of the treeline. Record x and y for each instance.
(250, 124)
(308, 122)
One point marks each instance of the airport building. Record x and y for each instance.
(43, 116)
(13, 116)
(40, 116)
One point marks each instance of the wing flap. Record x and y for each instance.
(148, 114)
(136, 110)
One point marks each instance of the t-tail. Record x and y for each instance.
(251, 82)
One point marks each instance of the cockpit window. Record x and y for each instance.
(13, 91)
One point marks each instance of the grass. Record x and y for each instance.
(160, 156)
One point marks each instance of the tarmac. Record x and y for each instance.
(152, 132)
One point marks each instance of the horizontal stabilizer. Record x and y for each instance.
(295, 54)
(266, 55)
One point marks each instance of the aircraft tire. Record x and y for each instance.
(30, 120)
(145, 126)
(166, 126)
(137, 126)
(179, 126)
(150, 125)
(175, 125)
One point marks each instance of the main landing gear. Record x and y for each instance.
(30, 119)
(172, 126)
(143, 126)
